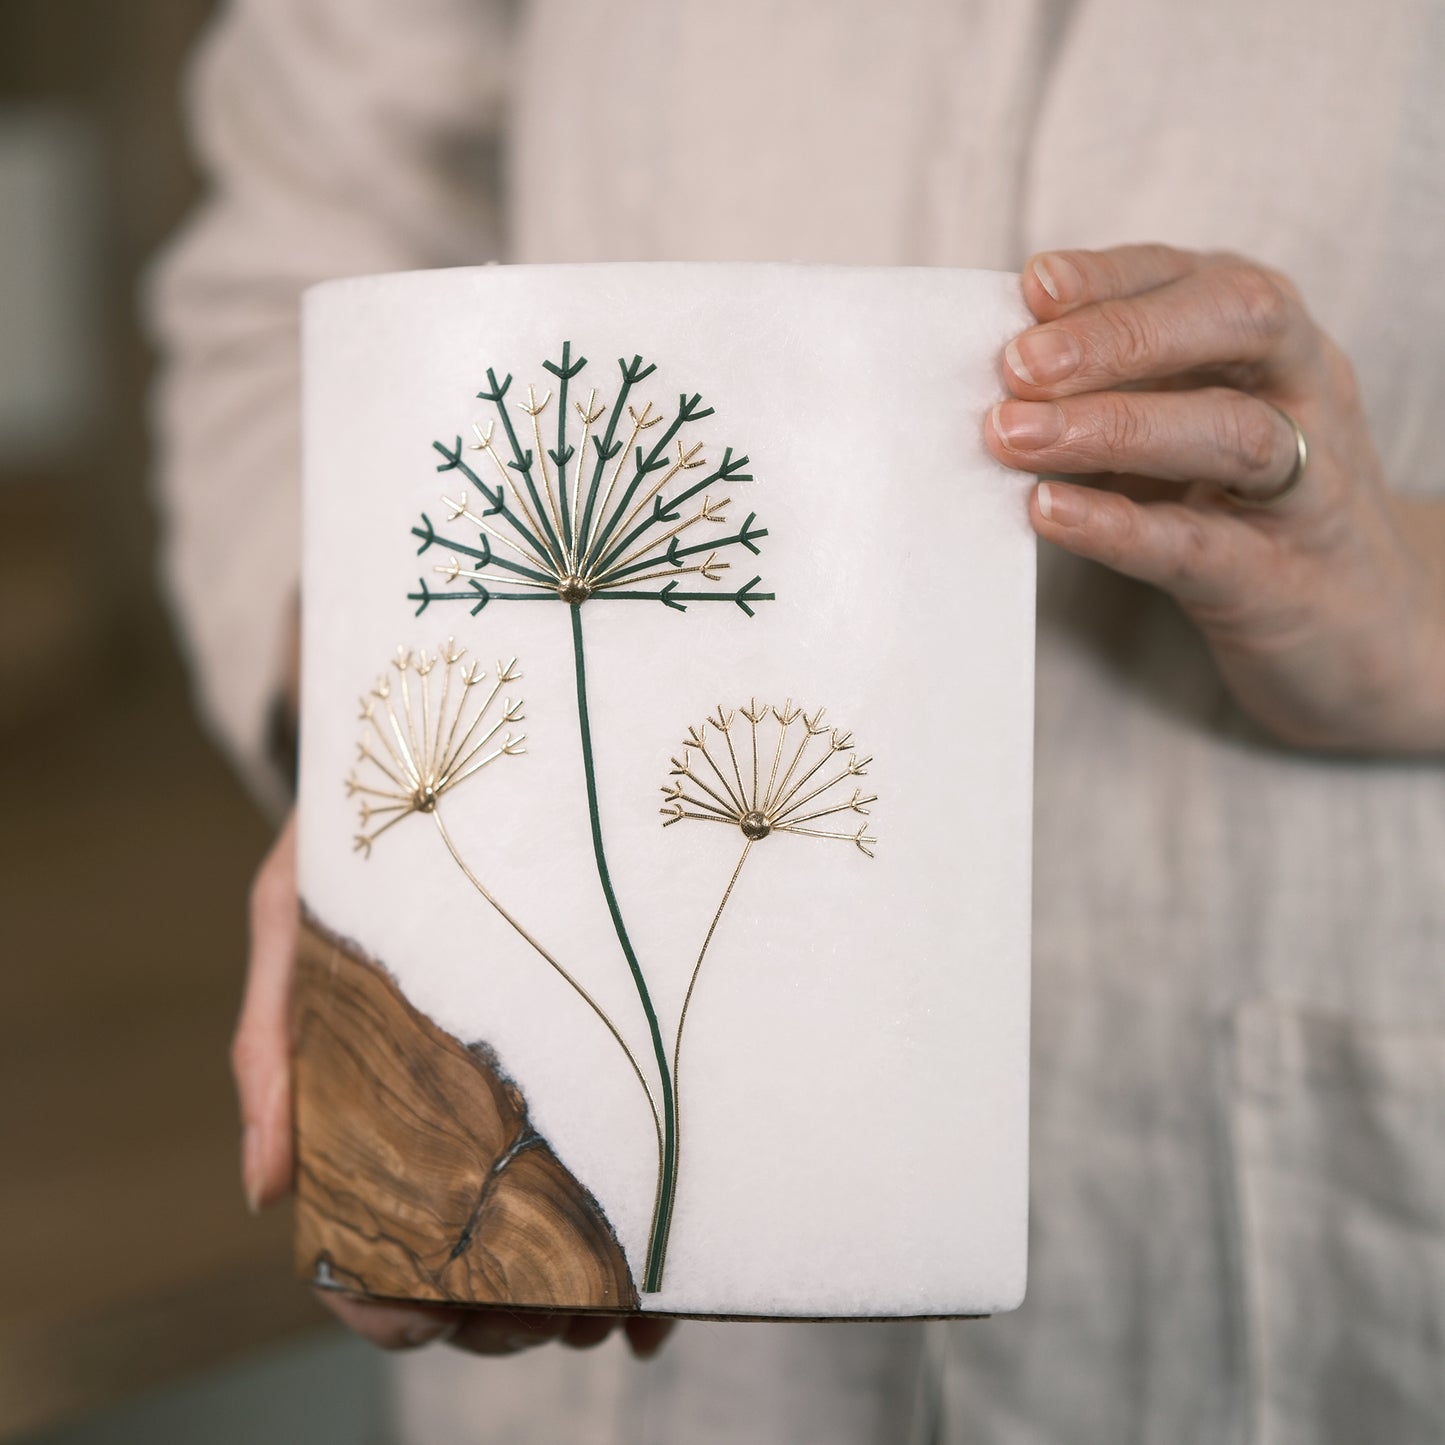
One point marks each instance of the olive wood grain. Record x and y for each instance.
(418, 1173)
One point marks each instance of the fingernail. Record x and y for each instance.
(1058, 276)
(1063, 506)
(424, 1332)
(1027, 425)
(251, 1167)
(1041, 357)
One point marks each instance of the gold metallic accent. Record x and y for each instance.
(687, 998)
(509, 480)
(534, 409)
(707, 513)
(761, 809)
(1296, 471)
(577, 987)
(462, 509)
(684, 463)
(708, 570)
(426, 748)
(576, 570)
(755, 825)
(641, 422)
(453, 569)
(438, 757)
(730, 805)
(589, 414)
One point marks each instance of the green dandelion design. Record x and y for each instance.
(621, 506)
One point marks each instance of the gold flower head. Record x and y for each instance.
(415, 746)
(759, 770)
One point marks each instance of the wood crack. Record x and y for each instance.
(419, 1173)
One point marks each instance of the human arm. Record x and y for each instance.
(1325, 612)
(337, 137)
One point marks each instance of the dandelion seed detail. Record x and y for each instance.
(418, 744)
(768, 770)
(560, 500)
(762, 770)
(618, 515)
(428, 724)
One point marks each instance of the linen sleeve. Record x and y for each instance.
(337, 137)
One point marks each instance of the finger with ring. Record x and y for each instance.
(1215, 434)
(1292, 479)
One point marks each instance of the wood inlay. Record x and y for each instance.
(419, 1175)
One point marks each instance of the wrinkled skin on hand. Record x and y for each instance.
(1153, 375)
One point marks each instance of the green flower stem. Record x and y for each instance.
(667, 1165)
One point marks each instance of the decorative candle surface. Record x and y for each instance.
(665, 793)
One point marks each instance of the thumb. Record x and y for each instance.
(261, 1046)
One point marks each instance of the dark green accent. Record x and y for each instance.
(522, 459)
(564, 372)
(477, 594)
(497, 392)
(687, 410)
(607, 448)
(520, 570)
(454, 462)
(669, 596)
(431, 538)
(675, 553)
(729, 471)
(483, 555)
(566, 369)
(657, 1243)
(497, 500)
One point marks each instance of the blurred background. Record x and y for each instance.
(138, 1298)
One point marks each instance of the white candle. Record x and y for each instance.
(801, 607)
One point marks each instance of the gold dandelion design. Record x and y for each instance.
(414, 749)
(625, 506)
(717, 786)
(423, 738)
(762, 770)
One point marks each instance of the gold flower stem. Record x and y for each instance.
(682, 1023)
(577, 987)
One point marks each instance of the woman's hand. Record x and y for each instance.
(1156, 373)
(261, 1063)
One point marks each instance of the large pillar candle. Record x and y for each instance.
(665, 793)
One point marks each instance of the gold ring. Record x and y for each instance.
(1296, 472)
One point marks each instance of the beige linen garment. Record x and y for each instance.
(1239, 1066)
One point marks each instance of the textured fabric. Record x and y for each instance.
(782, 1384)
(1239, 1107)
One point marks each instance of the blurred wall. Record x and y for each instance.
(127, 1257)
(93, 174)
